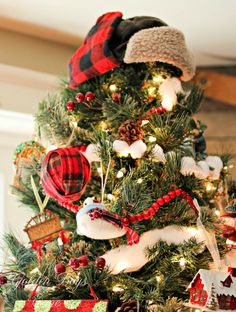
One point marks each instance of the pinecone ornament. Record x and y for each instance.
(130, 131)
(129, 306)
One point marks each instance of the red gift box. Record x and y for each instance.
(61, 306)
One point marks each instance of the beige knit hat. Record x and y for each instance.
(161, 44)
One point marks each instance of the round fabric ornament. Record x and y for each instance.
(30, 150)
(65, 175)
(96, 228)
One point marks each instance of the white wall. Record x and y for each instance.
(20, 91)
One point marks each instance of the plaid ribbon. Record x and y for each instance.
(229, 232)
(65, 174)
(94, 57)
(116, 220)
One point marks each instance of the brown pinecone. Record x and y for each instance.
(129, 306)
(130, 131)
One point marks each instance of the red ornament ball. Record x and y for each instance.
(59, 268)
(3, 279)
(116, 97)
(83, 261)
(80, 97)
(74, 263)
(100, 262)
(70, 105)
(89, 96)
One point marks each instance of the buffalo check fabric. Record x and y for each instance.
(94, 57)
(116, 220)
(65, 174)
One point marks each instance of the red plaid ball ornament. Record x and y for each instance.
(65, 174)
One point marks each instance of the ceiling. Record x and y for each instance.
(209, 25)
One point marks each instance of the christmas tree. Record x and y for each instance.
(117, 174)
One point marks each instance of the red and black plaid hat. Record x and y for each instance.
(65, 174)
(94, 57)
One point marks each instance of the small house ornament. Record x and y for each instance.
(213, 290)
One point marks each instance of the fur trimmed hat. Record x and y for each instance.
(163, 44)
(139, 39)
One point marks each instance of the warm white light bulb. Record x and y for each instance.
(152, 139)
(140, 180)
(99, 170)
(151, 90)
(158, 79)
(120, 174)
(168, 102)
(117, 288)
(124, 153)
(110, 196)
(182, 262)
(209, 187)
(113, 87)
(158, 278)
(217, 213)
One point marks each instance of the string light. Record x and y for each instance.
(210, 187)
(110, 196)
(140, 180)
(152, 139)
(117, 288)
(113, 88)
(158, 79)
(182, 262)
(168, 102)
(124, 153)
(103, 125)
(34, 271)
(99, 170)
(120, 174)
(151, 91)
(158, 278)
(217, 213)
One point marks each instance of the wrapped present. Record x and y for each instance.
(61, 306)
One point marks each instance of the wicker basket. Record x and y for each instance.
(42, 226)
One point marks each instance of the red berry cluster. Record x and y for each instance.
(157, 205)
(155, 111)
(3, 280)
(80, 98)
(116, 97)
(79, 262)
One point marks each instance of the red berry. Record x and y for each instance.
(3, 279)
(184, 194)
(178, 192)
(166, 198)
(160, 201)
(59, 268)
(155, 206)
(172, 194)
(89, 96)
(189, 198)
(70, 105)
(116, 97)
(152, 211)
(74, 263)
(139, 217)
(83, 261)
(146, 215)
(125, 220)
(79, 97)
(100, 262)
(132, 219)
